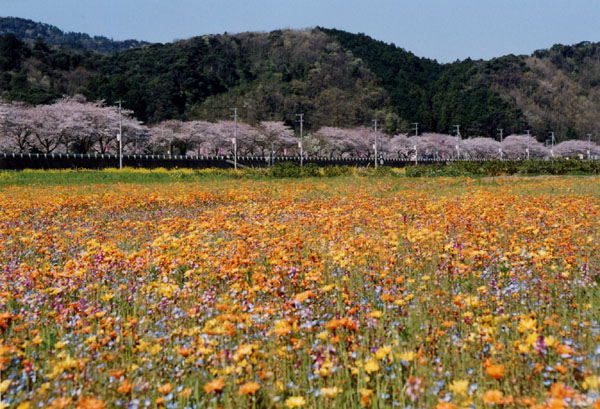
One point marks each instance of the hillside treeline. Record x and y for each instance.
(335, 78)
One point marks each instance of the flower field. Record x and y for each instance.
(376, 292)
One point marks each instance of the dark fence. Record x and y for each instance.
(19, 161)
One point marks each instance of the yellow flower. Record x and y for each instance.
(531, 339)
(328, 287)
(4, 385)
(407, 356)
(295, 402)
(526, 325)
(244, 350)
(371, 366)
(382, 352)
(591, 382)
(107, 296)
(60, 344)
(323, 335)
(330, 392)
(156, 348)
(326, 368)
(459, 386)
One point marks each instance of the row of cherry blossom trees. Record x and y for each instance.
(440, 146)
(73, 125)
(68, 125)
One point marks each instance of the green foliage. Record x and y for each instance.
(293, 170)
(332, 171)
(31, 31)
(435, 95)
(498, 168)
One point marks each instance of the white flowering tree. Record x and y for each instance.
(576, 149)
(481, 148)
(15, 127)
(515, 147)
(277, 135)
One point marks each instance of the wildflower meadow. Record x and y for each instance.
(347, 292)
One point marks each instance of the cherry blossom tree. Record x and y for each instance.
(481, 148)
(576, 149)
(427, 146)
(515, 147)
(400, 147)
(15, 127)
(277, 136)
(68, 125)
(168, 136)
(351, 142)
(218, 137)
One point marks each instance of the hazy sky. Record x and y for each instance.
(442, 29)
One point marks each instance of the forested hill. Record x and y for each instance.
(335, 78)
(32, 31)
(552, 90)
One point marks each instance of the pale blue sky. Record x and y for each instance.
(442, 29)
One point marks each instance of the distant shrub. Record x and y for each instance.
(285, 170)
(293, 170)
(336, 170)
(310, 169)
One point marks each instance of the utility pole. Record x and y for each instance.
(301, 120)
(589, 150)
(235, 117)
(552, 142)
(416, 124)
(120, 137)
(501, 134)
(457, 129)
(527, 150)
(375, 144)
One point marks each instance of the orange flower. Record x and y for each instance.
(185, 352)
(165, 389)
(249, 388)
(445, 405)
(560, 390)
(366, 396)
(492, 396)
(214, 386)
(303, 296)
(117, 373)
(90, 403)
(527, 401)
(496, 371)
(125, 387)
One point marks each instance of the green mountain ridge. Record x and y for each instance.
(334, 77)
(31, 31)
